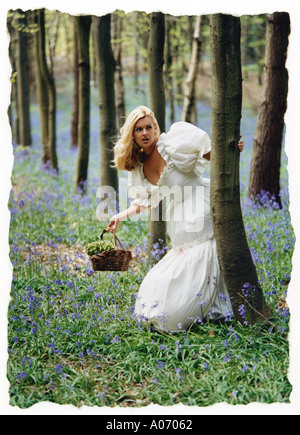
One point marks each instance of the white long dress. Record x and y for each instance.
(186, 285)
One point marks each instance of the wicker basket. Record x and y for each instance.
(114, 260)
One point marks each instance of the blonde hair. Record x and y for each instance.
(127, 154)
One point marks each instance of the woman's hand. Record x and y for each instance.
(241, 145)
(117, 218)
(113, 224)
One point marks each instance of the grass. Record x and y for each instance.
(72, 336)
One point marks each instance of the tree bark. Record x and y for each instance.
(13, 111)
(233, 251)
(157, 225)
(266, 158)
(75, 112)
(83, 24)
(50, 84)
(22, 80)
(117, 50)
(107, 109)
(189, 104)
(42, 92)
(169, 75)
(179, 67)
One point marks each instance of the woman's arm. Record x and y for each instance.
(116, 219)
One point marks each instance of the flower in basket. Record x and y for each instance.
(99, 246)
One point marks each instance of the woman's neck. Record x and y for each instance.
(149, 152)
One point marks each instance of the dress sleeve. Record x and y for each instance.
(185, 145)
(141, 191)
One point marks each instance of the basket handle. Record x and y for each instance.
(115, 237)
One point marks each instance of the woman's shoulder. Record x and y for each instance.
(185, 128)
(185, 138)
(184, 145)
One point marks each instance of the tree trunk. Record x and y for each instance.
(157, 225)
(74, 125)
(189, 104)
(22, 80)
(42, 92)
(234, 255)
(107, 110)
(13, 111)
(133, 23)
(181, 34)
(119, 88)
(52, 38)
(265, 165)
(83, 24)
(50, 83)
(169, 80)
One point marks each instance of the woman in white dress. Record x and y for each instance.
(186, 286)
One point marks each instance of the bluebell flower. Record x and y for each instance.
(160, 364)
(59, 368)
(236, 337)
(21, 376)
(242, 311)
(178, 370)
(225, 342)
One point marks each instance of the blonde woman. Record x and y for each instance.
(186, 286)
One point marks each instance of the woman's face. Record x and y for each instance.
(144, 133)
